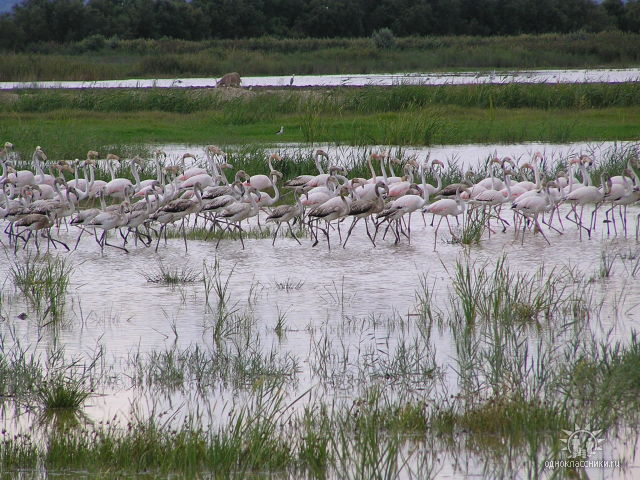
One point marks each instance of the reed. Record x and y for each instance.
(44, 282)
(98, 57)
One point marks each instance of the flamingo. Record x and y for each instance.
(364, 209)
(532, 206)
(311, 180)
(262, 182)
(34, 223)
(582, 196)
(333, 209)
(235, 213)
(407, 204)
(492, 183)
(286, 213)
(398, 189)
(444, 208)
(116, 187)
(178, 209)
(495, 199)
(187, 174)
(106, 221)
(266, 200)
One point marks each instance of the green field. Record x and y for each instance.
(70, 123)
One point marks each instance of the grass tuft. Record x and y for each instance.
(44, 282)
(172, 275)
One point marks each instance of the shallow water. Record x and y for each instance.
(341, 292)
(465, 156)
(361, 299)
(389, 79)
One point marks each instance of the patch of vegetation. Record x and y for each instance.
(172, 275)
(43, 280)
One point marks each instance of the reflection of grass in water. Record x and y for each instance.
(172, 275)
(62, 392)
(238, 365)
(518, 389)
(499, 293)
(43, 280)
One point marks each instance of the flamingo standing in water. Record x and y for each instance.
(35, 222)
(445, 208)
(286, 213)
(364, 209)
(333, 209)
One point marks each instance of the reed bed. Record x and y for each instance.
(246, 107)
(98, 57)
(524, 369)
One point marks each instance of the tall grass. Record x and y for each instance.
(98, 58)
(44, 282)
(263, 106)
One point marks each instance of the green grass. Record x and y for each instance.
(67, 135)
(172, 275)
(62, 392)
(44, 282)
(99, 58)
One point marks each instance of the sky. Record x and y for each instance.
(5, 5)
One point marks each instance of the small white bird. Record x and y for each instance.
(281, 131)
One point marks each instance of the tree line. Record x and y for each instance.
(61, 21)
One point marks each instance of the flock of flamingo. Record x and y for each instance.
(32, 202)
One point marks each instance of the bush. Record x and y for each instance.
(383, 38)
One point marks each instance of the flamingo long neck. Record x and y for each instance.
(136, 175)
(373, 172)
(635, 179)
(92, 178)
(536, 175)
(571, 177)
(507, 183)
(491, 174)
(61, 197)
(39, 171)
(75, 174)
(319, 164)
(393, 174)
(196, 191)
(146, 199)
(223, 176)
(111, 169)
(158, 170)
(384, 171)
(276, 194)
(213, 166)
(70, 202)
(103, 204)
(425, 192)
(586, 178)
(344, 201)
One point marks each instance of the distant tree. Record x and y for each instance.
(632, 17)
(331, 18)
(51, 20)
(34, 21)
